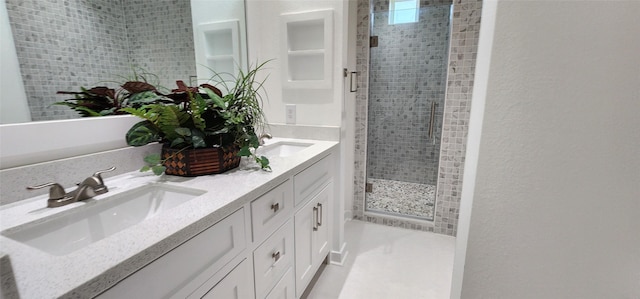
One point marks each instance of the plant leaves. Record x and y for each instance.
(142, 133)
(137, 86)
(176, 142)
(264, 162)
(183, 131)
(142, 98)
(217, 100)
(145, 168)
(158, 169)
(197, 139)
(153, 159)
(244, 152)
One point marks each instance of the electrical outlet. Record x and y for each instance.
(290, 110)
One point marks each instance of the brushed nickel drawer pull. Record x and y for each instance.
(315, 221)
(275, 207)
(276, 255)
(320, 217)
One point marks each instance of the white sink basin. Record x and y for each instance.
(282, 148)
(74, 229)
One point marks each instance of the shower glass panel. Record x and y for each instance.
(408, 73)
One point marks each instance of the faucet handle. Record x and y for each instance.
(97, 182)
(55, 192)
(99, 172)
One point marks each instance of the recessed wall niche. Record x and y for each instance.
(307, 50)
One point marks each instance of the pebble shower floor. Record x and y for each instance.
(401, 198)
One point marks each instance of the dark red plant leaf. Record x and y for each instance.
(184, 88)
(69, 92)
(137, 86)
(178, 97)
(101, 90)
(213, 88)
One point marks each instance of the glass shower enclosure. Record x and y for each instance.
(407, 85)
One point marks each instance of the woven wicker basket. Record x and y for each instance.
(200, 161)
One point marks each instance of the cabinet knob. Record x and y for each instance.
(276, 255)
(275, 207)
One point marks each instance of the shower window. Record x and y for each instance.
(404, 11)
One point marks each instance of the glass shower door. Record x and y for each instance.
(408, 73)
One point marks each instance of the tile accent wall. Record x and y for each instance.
(63, 45)
(161, 39)
(462, 55)
(462, 64)
(408, 72)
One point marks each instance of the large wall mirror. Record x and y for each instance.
(65, 45)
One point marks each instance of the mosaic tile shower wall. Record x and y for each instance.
(62, 45)
(161, 41)
(408, 73)
(462, 55)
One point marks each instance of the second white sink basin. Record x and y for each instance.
(84, 225)
(282, 148)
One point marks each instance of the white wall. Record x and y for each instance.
(556, 201)
(313, 107)
(13, 99)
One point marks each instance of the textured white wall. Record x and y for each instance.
(556, 201)
(263, 23)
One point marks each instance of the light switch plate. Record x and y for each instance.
(290, 110)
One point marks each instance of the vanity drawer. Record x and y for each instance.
(271, 210)
(286, 288)
(186, 267)
(233, 286)
(309, 181)
(273, 258)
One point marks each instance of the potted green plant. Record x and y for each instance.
(202, 130)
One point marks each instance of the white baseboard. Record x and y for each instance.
(339, 257)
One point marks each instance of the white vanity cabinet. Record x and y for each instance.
(312, 237)
(270, 248)
(313, 188)
(279, 270)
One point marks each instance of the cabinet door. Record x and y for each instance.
(233, 286)
(321, 235)
(312, 237)
(304, 222)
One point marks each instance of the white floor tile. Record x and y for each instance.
(389, 262)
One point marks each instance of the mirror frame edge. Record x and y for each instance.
(36, 142)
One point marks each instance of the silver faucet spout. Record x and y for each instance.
(264, 136)
(90, 187)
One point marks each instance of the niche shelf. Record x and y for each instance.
(307, 49)
(217, 48)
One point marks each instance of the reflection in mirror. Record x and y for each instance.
(65, 45)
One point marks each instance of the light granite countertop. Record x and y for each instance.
(90, 270)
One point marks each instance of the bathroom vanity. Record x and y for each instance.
(246, 233)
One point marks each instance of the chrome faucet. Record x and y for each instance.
(262, 138)
(90, 187)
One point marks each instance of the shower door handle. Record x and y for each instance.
(432, 121)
